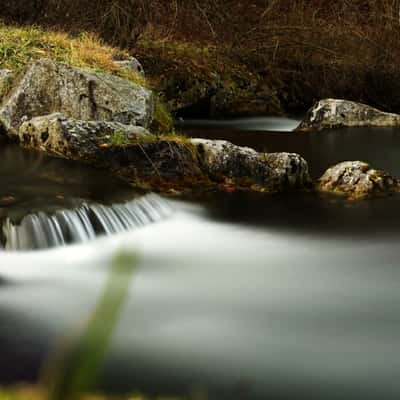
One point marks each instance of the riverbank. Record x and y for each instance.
(227, 58)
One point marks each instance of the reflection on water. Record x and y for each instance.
(272, 296)
(30, 182)
(245, 124)
(378, 146)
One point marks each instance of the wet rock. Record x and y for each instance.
(75, 139)
(357, 180)
(48, 87)
(127, 150)
(332, 113)
(152, 162)
(131, 63)
(224, 162)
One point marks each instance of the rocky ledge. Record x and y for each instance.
(103, 120)
(357, 180)
(333, 113)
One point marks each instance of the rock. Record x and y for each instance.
(243, 166)
(356, 180)
(6, 76)
(131, 63)
(332, 113)
(75, 139)
(151, 162)
(48, 87)
(127, 150)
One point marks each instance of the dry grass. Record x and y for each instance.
(19, 45)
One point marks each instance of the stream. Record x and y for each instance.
(238, 295)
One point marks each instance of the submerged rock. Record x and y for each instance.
(75, 139)
(225, 162)
(332, 113)
(357, 180)
(48, 87)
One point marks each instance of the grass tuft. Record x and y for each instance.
(20, 45)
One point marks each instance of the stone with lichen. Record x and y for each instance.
(273, 172)
(48, 87)
(333, 113)
(357, 180)
(74, 139)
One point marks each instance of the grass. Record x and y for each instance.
(118, 138)
(20, 45)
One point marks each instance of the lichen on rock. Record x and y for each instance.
(243, 166)
(333, 113)
(357, 180)
(48, 87)
(74, 139)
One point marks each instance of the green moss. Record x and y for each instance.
(119, 139)
(163, 122)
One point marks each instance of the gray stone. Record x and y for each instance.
(243, 166)
(74, 139)
(48, 87)
(357, 180)
(131, 63)
(332, 113)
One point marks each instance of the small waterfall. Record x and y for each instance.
(42, 230)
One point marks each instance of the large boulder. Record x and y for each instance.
(227, 163)
(357, 180)
(48, 87)
(333, 113)
(74, 139)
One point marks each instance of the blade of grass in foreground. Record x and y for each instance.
(77, 367)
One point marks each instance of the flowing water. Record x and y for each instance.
(238, 294)
(50, 202)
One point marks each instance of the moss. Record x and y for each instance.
(118, 139)
(163, 121)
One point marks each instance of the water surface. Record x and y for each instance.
(242, 295)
